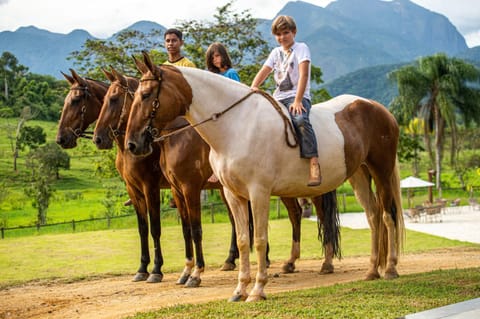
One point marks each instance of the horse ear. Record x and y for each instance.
(119, 77)
(148, 61)
(140, 65)
(68, 77)
(78, 78)
(109, 75)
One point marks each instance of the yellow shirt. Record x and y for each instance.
(182, 62)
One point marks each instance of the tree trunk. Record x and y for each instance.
(439, 135)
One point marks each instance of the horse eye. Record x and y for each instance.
(145, 95)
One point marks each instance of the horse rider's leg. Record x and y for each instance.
(260, 201)
(295, 215)
(240, 214)
(361, 185)
(187, 236)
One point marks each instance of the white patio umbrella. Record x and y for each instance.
(413, 182)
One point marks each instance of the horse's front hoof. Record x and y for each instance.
(237, 298)
(372, 275)
(326, 269)
(228, 267)
(155, 278)
(288, 268)
(182, 280)
(193, 282)
(391, 274)
(253, 298)
(140, 276)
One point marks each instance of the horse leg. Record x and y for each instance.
(260, 208)
(388, 188)
(195, 216)
(229, 263)
(142, 272)
(361, 184)
(153, 204)
(295, 216)
(328, 228)
(240, 214)
(187, 236)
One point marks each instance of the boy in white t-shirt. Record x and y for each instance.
(290, 63)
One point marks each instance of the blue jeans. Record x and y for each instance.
(303, 128)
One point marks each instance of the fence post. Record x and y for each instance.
(3, 233)
(212, 212)
(344, 198)
(73, 225)
(38, 227)
(108, 222)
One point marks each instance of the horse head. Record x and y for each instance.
(162, 95)
(81, 107)
(112, 121)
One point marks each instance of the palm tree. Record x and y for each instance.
(437, 89)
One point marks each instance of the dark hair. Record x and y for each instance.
(220, 48)
(177, 32)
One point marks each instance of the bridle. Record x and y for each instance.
(79, 132)
(153, 132)
(116, 132)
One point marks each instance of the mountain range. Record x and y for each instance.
(345, 36)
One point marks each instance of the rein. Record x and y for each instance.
(287, 124)
(156, 104)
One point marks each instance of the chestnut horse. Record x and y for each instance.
(184, 161)
(253, 155)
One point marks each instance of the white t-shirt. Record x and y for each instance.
(286, 70)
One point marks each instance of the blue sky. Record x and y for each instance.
(102, 18)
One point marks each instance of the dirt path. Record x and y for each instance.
(118, 297)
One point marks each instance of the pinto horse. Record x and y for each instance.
(184, 161)
(253, 155)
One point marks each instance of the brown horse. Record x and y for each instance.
(184, 160)
(253, 155)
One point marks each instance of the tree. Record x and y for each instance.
(437, 89)
(51, 158)
(237, 31)
(117, 52)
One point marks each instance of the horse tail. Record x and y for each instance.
(250, 225)
(397, 209)
(329, 229)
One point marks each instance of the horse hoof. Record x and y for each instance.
(372, 276)
(253, 298)
(326, 269)
(155, 278)
(182, 280)
(237, 298)
(288, 268)
(140, 276)
(392, 274)
(193, 282)
(228, 267)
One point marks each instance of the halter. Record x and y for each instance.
(156, 104)
(78, 132)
